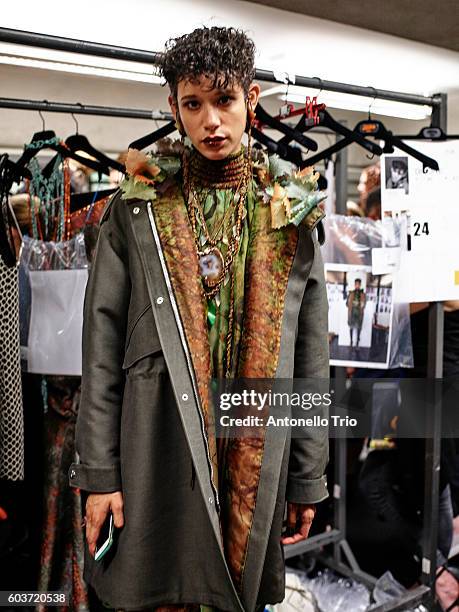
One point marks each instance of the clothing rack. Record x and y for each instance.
(84, 109)
(60, 43)
(336, 537)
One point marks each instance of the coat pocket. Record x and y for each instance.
(143, 339)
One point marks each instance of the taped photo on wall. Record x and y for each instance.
(359, 316)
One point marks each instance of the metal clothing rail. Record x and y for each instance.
(78, 108)
(72, 45)
(84, 109)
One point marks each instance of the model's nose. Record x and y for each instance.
(211, 118)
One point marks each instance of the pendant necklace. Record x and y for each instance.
(213, 266)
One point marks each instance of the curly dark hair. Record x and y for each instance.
(225, 55)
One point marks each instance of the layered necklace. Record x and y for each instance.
(203, 179)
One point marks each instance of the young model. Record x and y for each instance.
(207, 266)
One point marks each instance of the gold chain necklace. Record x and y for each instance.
(213, 265)
(221, 225)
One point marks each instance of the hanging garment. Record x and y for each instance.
(61, 554)
(61, 562)
(11, 410)
(62, 549)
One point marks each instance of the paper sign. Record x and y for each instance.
(429, 205)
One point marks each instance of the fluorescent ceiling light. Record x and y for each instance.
(61, 61)
(350, 102)
(27, 62)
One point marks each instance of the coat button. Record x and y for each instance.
(72, 473)
(211, 501)
(136, 210)
(159, 300)
(185, 397)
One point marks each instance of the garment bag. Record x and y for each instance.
(53, 277)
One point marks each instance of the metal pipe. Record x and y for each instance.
(341, 174)
(108, 111)
(59, 43)
(84, 109)
(73, 45)
(433, 443)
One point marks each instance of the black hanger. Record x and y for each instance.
(40, 139)
(429, 133)
(377, 129)
(80, 200)
(349, 137)
(292, 134)
(291, 154)
(149, 139)
(89, 163)
(46, 140)
(79, 142)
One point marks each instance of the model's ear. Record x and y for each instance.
(173, 104)
(253, 95)
(178, 122)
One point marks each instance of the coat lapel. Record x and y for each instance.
(275, 439)
(269, 261)
(172, 333)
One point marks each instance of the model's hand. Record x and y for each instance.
(299, 520)
(98, 506)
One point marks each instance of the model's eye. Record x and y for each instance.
(191, 104)
(225, 100)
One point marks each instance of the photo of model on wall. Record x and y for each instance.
(359, 316)
(397, 173)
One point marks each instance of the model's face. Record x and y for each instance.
(213, 119)
(397, 173)
(357, 285)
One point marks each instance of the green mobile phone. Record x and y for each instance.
(105, 538)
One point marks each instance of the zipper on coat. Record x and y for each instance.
(184, 345)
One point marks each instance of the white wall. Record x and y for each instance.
(292, 42)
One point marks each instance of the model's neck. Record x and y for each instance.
(220, 174)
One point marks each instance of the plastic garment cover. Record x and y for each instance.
(333, 593)
(387, 589)
(355, 242)
(297, 597)
(52, 281)
(349, 240)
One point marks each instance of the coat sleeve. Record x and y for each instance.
(104, 331)
(308, 459)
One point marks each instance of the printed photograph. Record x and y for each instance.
(359, 316)
(397, 173)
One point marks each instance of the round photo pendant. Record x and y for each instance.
(211, 266)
